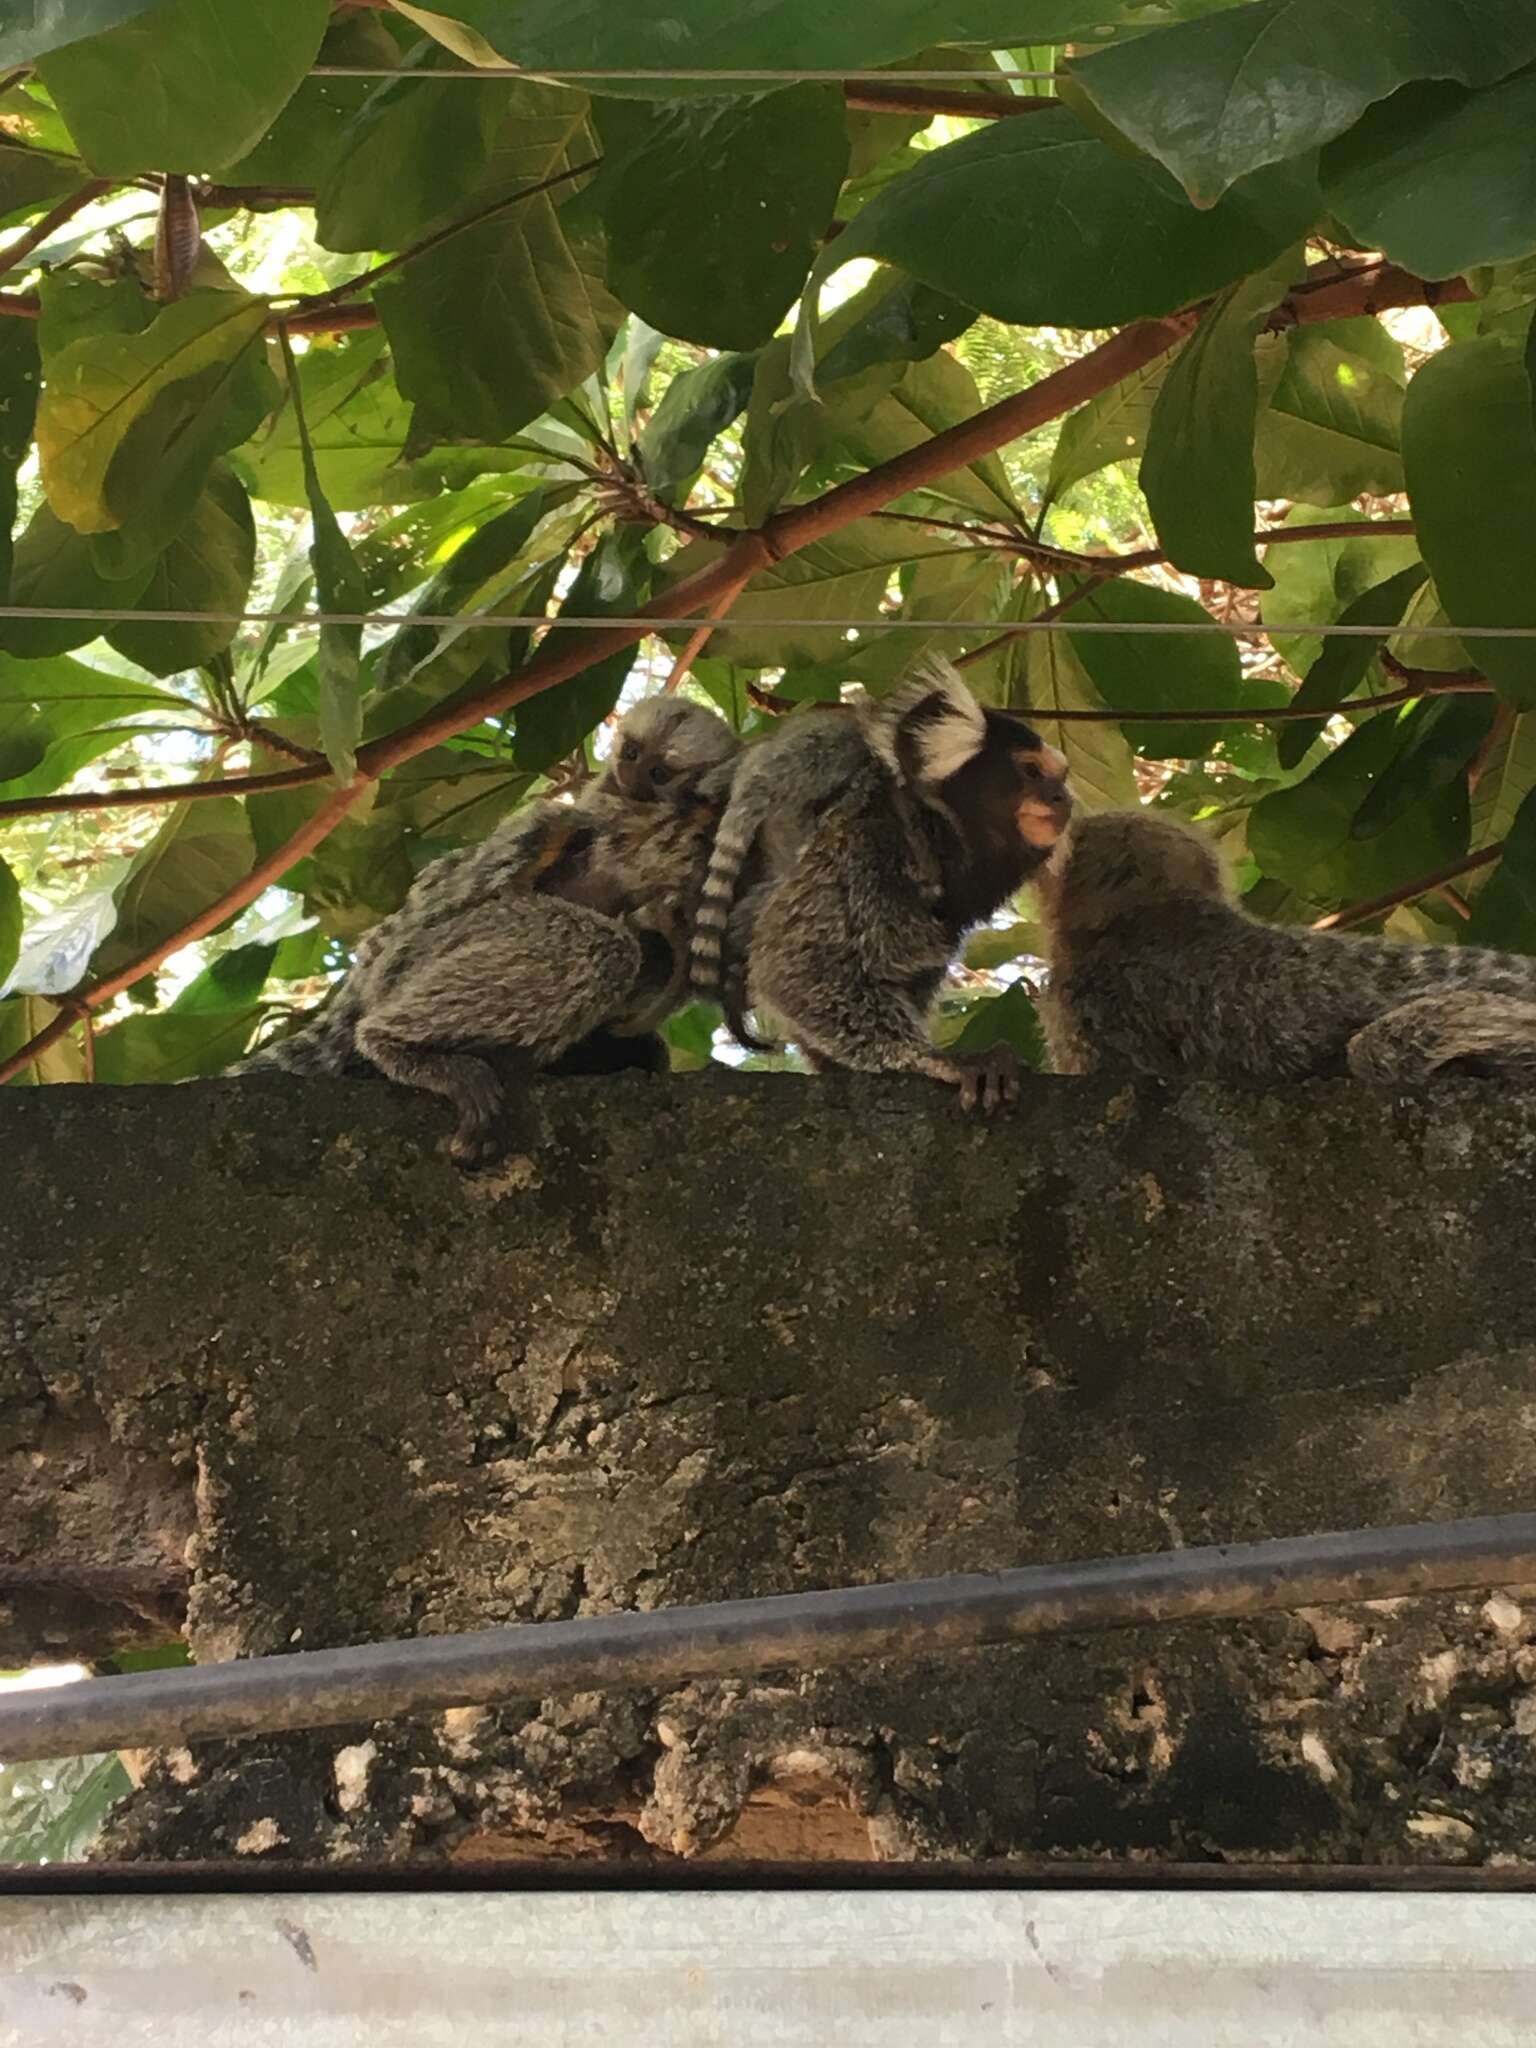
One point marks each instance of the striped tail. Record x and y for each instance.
(733, 843)
(325, 1045)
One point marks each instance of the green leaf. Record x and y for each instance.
(1440, 178)
(712, 222)
(413, 154)
(513, 303)
(1197, 470)
(21, 1019)
(1332, 429)
(1440, 736)
(613, 581)
(29, 178)
(1008, 1019)
(173, 1045)
(18, 411)
(55, 568)
(10, 922)
(130, 425)
(1507, 779)
(1304, 835)
(1099, 761)
(24, 740)
(1216, 98)
(944, 582)
(1505, 912)
(934, 394)
(695, 408)
(202, 850)
(1341, 667)
(340, 588)
(1109, 428)
(1165, 671)
(75, 306)
(189, 85)
(897, 320)
(207, 567)
(231, 982)
(1316, 579)
(305, 140)
(1469, 449)
(1111, 237)
(557, 35)
(358, 424)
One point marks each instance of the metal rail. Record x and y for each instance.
(914, 1618)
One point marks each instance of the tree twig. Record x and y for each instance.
(14, 254)
(1424, 885)
(700, 639)
(941, 99)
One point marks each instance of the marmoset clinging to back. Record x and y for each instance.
(925, 814)
(563, 937)
(1155, 970)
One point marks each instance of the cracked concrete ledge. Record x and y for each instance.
(723, 1335)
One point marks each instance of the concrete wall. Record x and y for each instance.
(729, 1334)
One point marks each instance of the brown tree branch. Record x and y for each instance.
(700, 639)
(31, 239)
(1425, 885)
(558, 660)
(941, 99)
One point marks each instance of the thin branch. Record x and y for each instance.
(1405, 674)
(700, 639)
(161, 793)
(1362, 913)
(323, 302)
(560, 658)
(1280, 714)
(938, 99)
(15, 254)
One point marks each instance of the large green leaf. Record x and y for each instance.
(1342, 665)
(200, 851)
(414, 152)
(173, 1045)
(933, 394)
(513, 304)
(18, 412)
(207, 568)
(695, 408)
(553, 35)
(944, 582)
(1305, 836)
(188, 86)
(1099, 761)
(1197, 468)
(130, 425)
(1316, 579)
(1440, 736)
(304, 142)
(358, 424)
(1111, 237)
(1216, 98)
(613, 582)
(1469, 449)
(10, 922)
(1109, 428)
(55, 568)
(1439, 177)
(1165, 671)
(712, 223)
(1332, 427)
(29, 178)
(1505, 912)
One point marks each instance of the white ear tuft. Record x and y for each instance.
(929, 728)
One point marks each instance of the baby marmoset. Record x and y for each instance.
(563, 938)
(1155, 970)
(864, 843)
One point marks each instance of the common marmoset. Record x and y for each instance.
(1155, 970)
(563, 938)
(926, 812)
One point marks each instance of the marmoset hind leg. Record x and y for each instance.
(532, 974)
(1489, 1037)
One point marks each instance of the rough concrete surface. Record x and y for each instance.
(722, 1335)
